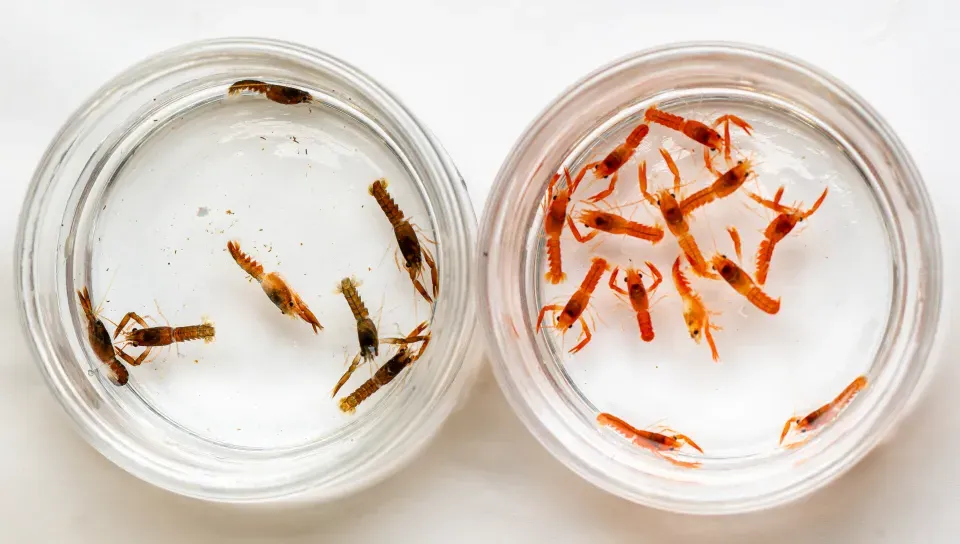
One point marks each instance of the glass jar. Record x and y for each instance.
(162, 165)
(877, 206)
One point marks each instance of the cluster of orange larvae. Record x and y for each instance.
(676, 210)
(417, 260)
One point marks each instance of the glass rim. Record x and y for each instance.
(520, 177)
(256, 476)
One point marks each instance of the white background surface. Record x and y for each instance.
(476, 74)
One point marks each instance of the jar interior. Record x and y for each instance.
(835, 268)
(137, 198)
(290, 184)
(859, 283)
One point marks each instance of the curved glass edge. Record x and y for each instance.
(460, 368)
(491, 233)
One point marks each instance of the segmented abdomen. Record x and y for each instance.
(680, 281)
(644, 232)
(351, 401)
(379, 191)
(383, 376)
(597, 268)
(637, 135)
(622, 427)
(690, 249)
(763, 301)
(349, 290)
(251, 85)
(700, 198)
(554, 273)
(193, 332)
(646, 326)
(247, 263)
(764, 254)
(668, 120)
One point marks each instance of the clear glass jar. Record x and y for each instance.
(160, 164)
(880, 190)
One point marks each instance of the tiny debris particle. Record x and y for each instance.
(203, 211)
(262, 138)
(261, 230)
(294, 138)
(369, 269)
(196, 360)
(229, 212)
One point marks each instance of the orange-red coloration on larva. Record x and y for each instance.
(727, 145)
(280, 94)
(100, 340)
(737, 244)
(725, 185)
(699, 132)
(741, 282)
(554, 217)
(668, 204)
(413, 252)
(276, 289)
(612, 223)
(695, 130)
(151, 337)
(611, 164)
(659, 444)
(573, 310)
(825, 414)
(695, 313)
(639, 296)
(779, 228)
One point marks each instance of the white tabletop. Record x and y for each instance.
(476, 74)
